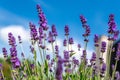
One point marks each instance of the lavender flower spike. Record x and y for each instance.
(66, 30)
(59, 69)
(103, 46)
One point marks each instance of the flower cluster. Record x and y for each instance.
(113, 32)
(42, 18)
(86, 27)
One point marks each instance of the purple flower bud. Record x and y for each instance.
(87, 31)
(54, 30)
(65, 42)
(116, 35)
(103, 69)
(56, 49)
(83, 19)
(33, 32)
(79, 46)
(42, 18)
(66, 55)
(19, 39)
(66, 30)
(93, 58)
(0, 66)
(41, 35)
(31, 49)
(48, 57)
(103, 46)
(4, 52)
(50, 37)
(118, 51)
(75, 61)
(59, 69)
(86, 40)
(68, 70)
(32, 66)
(96, 40)
(17, 64)
(111, 24)
(71, 41)
(22, 54)
(11, 39)
(117, 75)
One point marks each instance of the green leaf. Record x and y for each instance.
(71, 54)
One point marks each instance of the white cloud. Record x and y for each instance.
(1, 55)
(15, 30)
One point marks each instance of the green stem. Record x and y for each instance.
(41, 57)
(85, 47)
(2, 75)
(67, 42)
(27, 65)
(113, 74)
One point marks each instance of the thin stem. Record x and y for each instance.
(85, 47)
(2, 75)
(41, 57)
(26, 62)
(67, 42)
(113, 74)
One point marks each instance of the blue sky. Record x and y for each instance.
(60, 13)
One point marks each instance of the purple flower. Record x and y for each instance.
(14, 60)
(86, 40)
(56, 49)
(66, 30)
(87, 31)
(117, 75)
(116, 33)
(83, 19)
(84, 53)
(17, 64)
(103, 69)
(42, 18)
(86, 27)
(65, 42)
(33, 32)
(50, 37)
(111, 24)
(79, 46)
(0, 66)
(66, 55)
(71, 41)
(59, 69)
(103, 46)
(19, 39)
(68, 70)
(75, 61)
(41, 35)
(4, 52)
(48, 57)
(93, 58)
(96, 40)
(32, 66)
(11, 39)
(31, 49)
(54, 30)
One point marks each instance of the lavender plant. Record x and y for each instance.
(57, 67)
